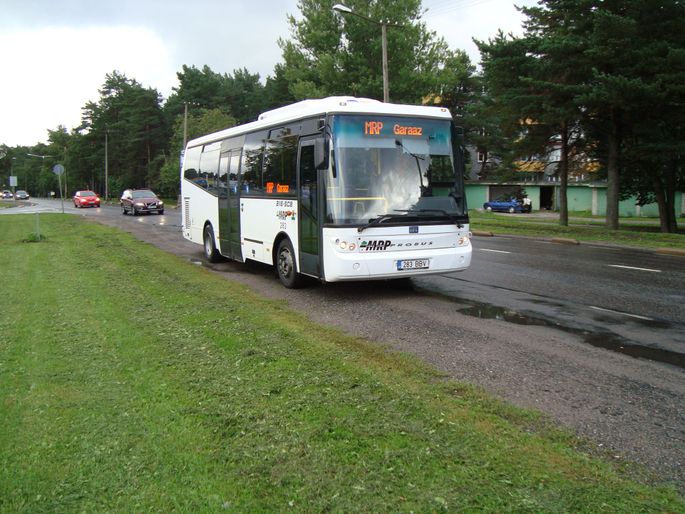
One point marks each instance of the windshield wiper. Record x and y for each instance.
(441, 211)
(377, 221)
(418, 164)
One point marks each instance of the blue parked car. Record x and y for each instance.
(510, 204)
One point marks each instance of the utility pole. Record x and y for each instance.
(386, 81)
(106, 165)
(343, 9)
(185, 124)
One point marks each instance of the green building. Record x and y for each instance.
(588, 197)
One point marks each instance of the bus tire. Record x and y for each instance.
(285, 265)
(211, 252)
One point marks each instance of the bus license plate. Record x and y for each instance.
(413, 264)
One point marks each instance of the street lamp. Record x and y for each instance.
(39, 157)
(343, 9)
(59, 180)
(185, 120)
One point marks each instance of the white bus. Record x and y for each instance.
(338, 189)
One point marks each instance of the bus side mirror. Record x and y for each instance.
(320, 153)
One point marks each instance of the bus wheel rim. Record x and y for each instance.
(285, 262)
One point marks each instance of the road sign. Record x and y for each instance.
(58, 169)
(13, 181)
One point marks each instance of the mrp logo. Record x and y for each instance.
(373, 128)
(284, 215)
(374, 246)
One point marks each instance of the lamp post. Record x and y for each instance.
(343, 9)
(185, 120)
(185, 124)
(106, 165)
(46, 157)
(39, 157)
(12, 177)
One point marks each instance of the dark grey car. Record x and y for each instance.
(139, 201)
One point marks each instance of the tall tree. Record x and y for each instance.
(604, 70)
(539, 77)
(636, 97)
(129, 119)
(334, 54)
(556, 39)
(240, 94)
(502, 105)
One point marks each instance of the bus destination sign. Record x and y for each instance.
(375, 128)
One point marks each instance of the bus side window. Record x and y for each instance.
(191, 163)
(222, 183)
(279, 163)
(209, 168)
(233, 168)
(251, 166)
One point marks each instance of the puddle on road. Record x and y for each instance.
(617, 344)
(485, 311)
(605, 340)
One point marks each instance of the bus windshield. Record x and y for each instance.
(387, 168)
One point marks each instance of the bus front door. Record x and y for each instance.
(308, 199)
(229, 216)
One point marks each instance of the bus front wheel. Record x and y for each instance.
(211, 252)
(285, 265)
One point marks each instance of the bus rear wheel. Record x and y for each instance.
(211, 252)
(285, 265)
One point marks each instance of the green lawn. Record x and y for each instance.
(636, 232)
(133, 381)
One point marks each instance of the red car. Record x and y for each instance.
(86, 199)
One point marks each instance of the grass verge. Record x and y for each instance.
(134, 381)
(633, 232)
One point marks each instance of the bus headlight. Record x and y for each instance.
(463, 240)
(345, 246)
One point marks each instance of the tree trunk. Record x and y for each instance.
(563, 173)
(664, 190)
(672, 223)
(660, 201)
(613, 184)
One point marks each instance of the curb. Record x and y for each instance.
(670, 251)
(565, 241)
(482, 233)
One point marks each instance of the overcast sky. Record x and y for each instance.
(55, 53)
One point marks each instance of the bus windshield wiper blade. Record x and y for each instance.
(441, 211)
(377, 221)
(418, 165)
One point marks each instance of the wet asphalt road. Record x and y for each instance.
(530, 321)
